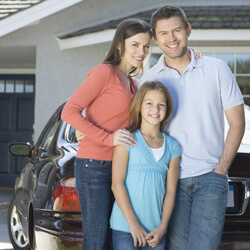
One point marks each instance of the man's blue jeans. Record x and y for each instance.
(198, 218)
(125, 241)
(93, 183)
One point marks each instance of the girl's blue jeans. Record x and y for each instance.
(124, 241)
(198, 218)
(93, 183)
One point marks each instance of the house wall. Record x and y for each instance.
(59, 73)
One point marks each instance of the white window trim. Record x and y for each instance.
(220, 35)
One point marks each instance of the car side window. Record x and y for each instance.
(71, 137)
(70, 132)
(50, 133)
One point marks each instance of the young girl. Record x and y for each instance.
(144, 177)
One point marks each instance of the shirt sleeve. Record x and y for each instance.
(176, 149)
(128, 148)
(94, 85)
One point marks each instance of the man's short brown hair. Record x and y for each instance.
(165, 12)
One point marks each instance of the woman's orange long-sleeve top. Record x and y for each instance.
(107, 99)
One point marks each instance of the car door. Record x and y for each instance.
(45, 164)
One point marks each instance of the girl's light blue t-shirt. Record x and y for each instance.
(145, 183)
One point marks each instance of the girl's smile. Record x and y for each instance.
(153, 108)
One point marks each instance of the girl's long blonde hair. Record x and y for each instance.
(135, 109)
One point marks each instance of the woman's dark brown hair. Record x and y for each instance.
(125, 29)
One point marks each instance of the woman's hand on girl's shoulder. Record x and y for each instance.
(124, 137)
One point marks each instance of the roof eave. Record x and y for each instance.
(86, 40)
(33, 14)
(196, 35)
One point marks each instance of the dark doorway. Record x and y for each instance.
(17, 94)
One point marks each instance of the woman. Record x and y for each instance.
(106, 93)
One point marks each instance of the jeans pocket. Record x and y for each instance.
(218, 182)
(220, 175)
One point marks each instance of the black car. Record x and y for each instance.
(45, 212)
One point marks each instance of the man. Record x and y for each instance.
(202, 91)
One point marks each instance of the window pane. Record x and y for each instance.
(244, 84)
(29, 86)
(228, 59)
(243, 63)
(50, 133)
(19, 86)
(10, 86)
(72, 135)
(210, 54)
(1, 86)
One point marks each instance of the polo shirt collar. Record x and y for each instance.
(193, 64)
(161, 65)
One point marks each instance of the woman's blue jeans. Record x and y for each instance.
(125, 241)
(93, 183)
(198, 218)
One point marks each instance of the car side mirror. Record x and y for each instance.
(22, 149)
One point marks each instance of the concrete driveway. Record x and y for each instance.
(5, 197)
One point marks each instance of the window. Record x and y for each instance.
(9, 86)
(50, 133)
(239, 63)
(17, 84)
(20, 86)
(71, 134)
